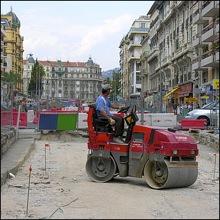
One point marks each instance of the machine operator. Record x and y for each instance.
(103, 106)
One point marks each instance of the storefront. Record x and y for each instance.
(185, 91)
(206, 94)
(170, 99)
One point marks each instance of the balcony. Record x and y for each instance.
(135, 30)
(165, 61)
(210, 9)
(179, 3)
(167, 15)
(154, 53)
(132, 58)
(207, 59)
(216, 58)
(133, 44)
(217, 26)
(196, 64)
(198, 18)
(208, 33)
(145, 54)
(196, 40)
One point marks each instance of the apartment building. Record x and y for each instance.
(205, 61)
(3, 54)
(13, 45)
(169, 58)
(130, 52)
(28, 64)
(124, 79)
(76, 80)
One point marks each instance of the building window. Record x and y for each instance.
(142, 25)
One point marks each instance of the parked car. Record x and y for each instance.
(210, 112)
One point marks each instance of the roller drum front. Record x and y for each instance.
(100, 169)
(166, 174)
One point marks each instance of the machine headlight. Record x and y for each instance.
(192, 152)
(175, 152)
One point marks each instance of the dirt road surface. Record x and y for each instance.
(65, 191)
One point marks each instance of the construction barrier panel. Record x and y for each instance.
(48, 121)
(164, 119)
(158, 119)
(67, 121)
(30, 116)
(62, 121)
(36, 118)
(82, 120)
(6, 118)
(193, 123)
(23, 119)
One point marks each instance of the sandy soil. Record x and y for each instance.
(65, 190)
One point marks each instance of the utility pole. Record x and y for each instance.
(161, 99)
(142, 95)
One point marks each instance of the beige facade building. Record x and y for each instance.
(3, 53)
(124, 67)
(75, 80)
(172, 65)
(169, 58)
(179, 61)
(130, 52)
(13, 45)
(205, 61)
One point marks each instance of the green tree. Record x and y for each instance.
(35, 86)
(11, 79)
(115, 83)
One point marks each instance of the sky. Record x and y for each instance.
(76, 30)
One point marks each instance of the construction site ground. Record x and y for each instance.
(65, 191)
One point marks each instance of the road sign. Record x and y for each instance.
(215, 83)
(191, 99)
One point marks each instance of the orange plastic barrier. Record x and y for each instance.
(193, 123)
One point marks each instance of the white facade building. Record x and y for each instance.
(70, 80)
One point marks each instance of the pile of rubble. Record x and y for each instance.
(206, 137)
(8, 137)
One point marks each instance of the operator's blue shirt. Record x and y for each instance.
(103, 104)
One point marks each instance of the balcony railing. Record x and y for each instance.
(135, 29)
(153, 53)
(210, 8)
(196, 40)
(207, 28)
(167, 15)
(198, 18)
(208, 33)
(196, 63)
(179, 3)
(217, 56)
(208, 59)
(217, 26)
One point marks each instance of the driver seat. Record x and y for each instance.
(100, 123)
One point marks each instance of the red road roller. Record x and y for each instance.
(164, 157)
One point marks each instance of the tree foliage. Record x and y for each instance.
(11, 77)
(115, 83)
(35, 86)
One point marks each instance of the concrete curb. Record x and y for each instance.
(19, 163)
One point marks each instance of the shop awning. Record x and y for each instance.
(204, 97)
(170, 93)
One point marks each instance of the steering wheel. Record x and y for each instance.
(124, 109)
